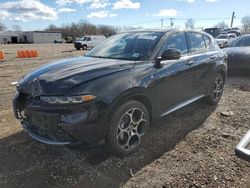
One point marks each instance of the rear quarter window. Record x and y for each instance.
(207, 41)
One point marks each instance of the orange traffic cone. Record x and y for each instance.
(1, 55)
(20, 54)
(26, 54)
(35, 53)
(31, 53)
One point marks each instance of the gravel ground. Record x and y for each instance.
(193, 147)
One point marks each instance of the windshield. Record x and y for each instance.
(241, 41)
(83, 38)
(127, 46)
(222, 37)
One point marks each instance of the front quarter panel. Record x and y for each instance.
(128, 82)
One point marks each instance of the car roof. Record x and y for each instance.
(227, 34)
(166, 30)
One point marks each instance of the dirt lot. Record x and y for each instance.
(193, 147)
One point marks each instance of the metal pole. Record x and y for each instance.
(171, 22)
(232, 20)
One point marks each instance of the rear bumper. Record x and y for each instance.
(241, 149)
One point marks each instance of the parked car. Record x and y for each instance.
(224, 39)
(89, 42)
(234, 30)
(242, 149)
(238, 52)
(214, 31)
(120, 88)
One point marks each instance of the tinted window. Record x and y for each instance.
(243, 41)
(222, 37)
(231, 36)
(196, 42)
(177, 41)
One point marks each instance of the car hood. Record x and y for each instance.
(58, 77)
(237, 50)
(220, 40)
(80, 41)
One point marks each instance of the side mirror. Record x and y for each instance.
(171, 54)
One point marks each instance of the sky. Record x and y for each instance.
(38, 14)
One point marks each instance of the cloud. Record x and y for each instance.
(126, 4)
(192, 1)
(25, 10)
(166, 13)
(189, 1)
(96, 4)
(101, 14)
(65, 2)
(211, 1)
(66, 10)
(3, 14)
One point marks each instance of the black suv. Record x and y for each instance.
(117, 89)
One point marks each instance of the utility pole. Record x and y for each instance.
(232, 20)
(161, 23)
(171, 22)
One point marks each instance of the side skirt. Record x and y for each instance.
(182, 105)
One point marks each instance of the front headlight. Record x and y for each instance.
(67, 99)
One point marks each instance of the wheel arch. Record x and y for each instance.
(138, 94)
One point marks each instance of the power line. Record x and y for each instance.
(161, 21)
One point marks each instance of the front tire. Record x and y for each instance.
(128, 127)
(216, 90)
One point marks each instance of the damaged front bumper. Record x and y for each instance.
(27, 128)
(60, 124)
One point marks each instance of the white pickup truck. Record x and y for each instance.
(89, 42)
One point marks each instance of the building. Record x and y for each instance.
(36, 37)
(8, 37)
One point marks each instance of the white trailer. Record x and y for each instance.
(38, 37)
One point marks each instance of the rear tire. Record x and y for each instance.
(127, 128)
(78, 48)
(216, 90)
(85, 47)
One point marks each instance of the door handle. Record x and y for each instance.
(190, 62)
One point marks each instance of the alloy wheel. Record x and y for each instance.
(218, 88)
(131, 128)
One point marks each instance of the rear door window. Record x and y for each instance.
(196, 42)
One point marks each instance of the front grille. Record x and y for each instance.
(58, 134)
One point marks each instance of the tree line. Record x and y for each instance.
(76, 30)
